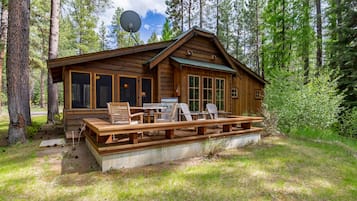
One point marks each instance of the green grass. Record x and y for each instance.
(277, 169)
(37, 121)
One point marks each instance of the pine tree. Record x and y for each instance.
(118, 36)
(40, 18)
(18, 70)
(318, 35)
(83, 15)
(174, 11)
(103, 37)
(67, 38)
(166, 31)
(342, 47)
(153, 38)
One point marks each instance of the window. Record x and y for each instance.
(235, 92)
(258, 94)
(194, 92)
(207, 91)
(220, 94)
(146, 90)
(128, 90)
(80, 90)
(104, 92)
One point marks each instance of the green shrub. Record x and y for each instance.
(32, 130)
(315, 104)
(348, 125)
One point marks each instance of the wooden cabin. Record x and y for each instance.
(194, 68)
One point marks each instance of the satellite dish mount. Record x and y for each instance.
(130, 21)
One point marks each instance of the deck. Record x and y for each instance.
(107, 137)
(123, 146)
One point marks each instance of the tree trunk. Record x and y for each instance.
(189, 13)
(42, 88)
(52, 93)
(17, 63)
(318, 35)
(3, 38)
(217, 18)
(181, 16)
(257, 37)
(201, 12)
(283, 38)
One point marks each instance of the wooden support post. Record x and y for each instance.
(170, 134)
(109, 139)
(227, 128)
(133, 138)
(201, 130)
(246, 125)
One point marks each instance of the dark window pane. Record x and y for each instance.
(146, 90)
(80, 90)
(103, 90)
(128, 90)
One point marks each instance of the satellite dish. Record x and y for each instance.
(130, 21)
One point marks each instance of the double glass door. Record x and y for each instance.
(128, 90)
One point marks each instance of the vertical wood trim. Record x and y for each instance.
(66, 91)
(70, 89)
(93, 89)
(158, 83)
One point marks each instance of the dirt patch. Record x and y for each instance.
(67, 160)
(3, 141)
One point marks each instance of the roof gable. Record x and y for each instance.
(182, 39)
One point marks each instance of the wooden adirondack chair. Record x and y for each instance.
(213, 112)
(119, 113)
(167, 116)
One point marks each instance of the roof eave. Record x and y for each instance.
(65, 61)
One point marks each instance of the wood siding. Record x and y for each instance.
(246, 103)
(126, 66)
(169, 79)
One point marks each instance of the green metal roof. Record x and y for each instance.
(201, 64)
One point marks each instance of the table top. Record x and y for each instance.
(148, 108)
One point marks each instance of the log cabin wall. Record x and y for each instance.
(165, 80)
(202, 49)
(127, 66)
(169, 76)
(247, 100)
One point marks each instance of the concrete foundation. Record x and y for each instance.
(154, 155)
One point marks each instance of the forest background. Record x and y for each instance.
(305, 49)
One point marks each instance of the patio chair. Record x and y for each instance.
(185, 111)
(119, 113)
(212, 111)
(169, 115)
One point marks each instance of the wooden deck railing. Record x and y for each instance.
(103, 130)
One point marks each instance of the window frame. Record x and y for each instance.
(95, 88)
(141, 88)
(224, 94)
(258, 94)
(137, 78)
(199, 91)
(90, 89)
(203, 90)
(235, 92)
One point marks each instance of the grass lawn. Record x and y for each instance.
(276, 169)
